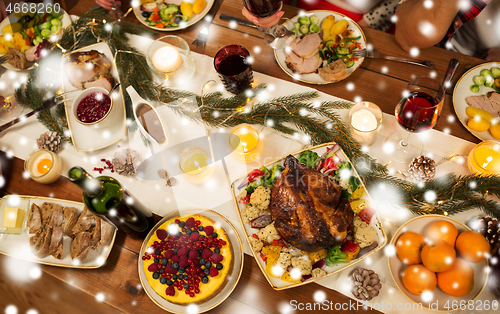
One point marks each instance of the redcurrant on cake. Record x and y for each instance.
(187, 259)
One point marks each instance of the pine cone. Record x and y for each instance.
(365, 284)
(489, 228)
(49, 141)
(422, 168)
(126, 162)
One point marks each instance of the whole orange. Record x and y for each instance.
(418, 279)
(438, 256)
(409, 246)
(472, 246)
(458, 280)
(443, 230)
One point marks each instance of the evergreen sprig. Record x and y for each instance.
(286, 114)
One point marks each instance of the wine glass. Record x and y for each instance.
(9, 109)
(277, 36)
(417, 111)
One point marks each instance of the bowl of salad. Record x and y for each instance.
(171, 15)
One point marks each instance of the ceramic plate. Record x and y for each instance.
(195, 18)
(66, 21)
(231, 279)
(314, 78)
(462, 91)
(279, 284)
(18, 245)
(86, 138)
(421, 225)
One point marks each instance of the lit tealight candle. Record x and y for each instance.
(364, 121)
(246, 143)
(167, 59)
(485, 158)
(44, 166)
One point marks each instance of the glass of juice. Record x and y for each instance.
(194, 164)
(246, 143)
(484, 159)
(43, 166)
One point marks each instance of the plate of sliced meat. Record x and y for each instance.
(476, 100)
(55, 232)
(322, 53)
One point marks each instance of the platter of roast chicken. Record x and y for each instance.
(322, 52)
(56, 232)
(307, 216)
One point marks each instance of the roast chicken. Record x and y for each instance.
(308, 209)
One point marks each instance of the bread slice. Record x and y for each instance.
(56, 241)
(39, 243)
(69, 221)
(57, 217)
(107, 231)
(84, 222)
(80, 246)
(335, 71)
(96, 233)
(46, 211)
(58, 253)
(17, 59)
(34, 221)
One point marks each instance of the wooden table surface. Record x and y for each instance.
(61, 290)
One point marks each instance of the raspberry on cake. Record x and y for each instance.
(187, 259)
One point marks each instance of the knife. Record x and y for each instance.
(46, 105)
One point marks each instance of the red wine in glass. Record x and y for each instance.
(234, 71)
(418, 111)
(263, 8)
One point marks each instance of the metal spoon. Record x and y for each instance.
(105, 98)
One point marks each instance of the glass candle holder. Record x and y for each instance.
(235, 72)
(43, 166)
(246, 143)
(485, 158)
(170, 59)
(365, 120)
(194, 164)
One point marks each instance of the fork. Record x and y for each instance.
(374, 53)
(4, 58)
(201, 39)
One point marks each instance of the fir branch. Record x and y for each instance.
(285, 114)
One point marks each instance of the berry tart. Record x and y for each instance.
(187, 259)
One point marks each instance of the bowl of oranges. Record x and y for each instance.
(439, 262)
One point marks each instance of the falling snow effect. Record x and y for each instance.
(414, 52)
(319, 296)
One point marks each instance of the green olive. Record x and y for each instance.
(345, 59)
(342, 43)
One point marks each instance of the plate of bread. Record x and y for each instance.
(54, 232)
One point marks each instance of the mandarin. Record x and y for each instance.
(458, 280)
(409, 246)
(443, 230)
(418, 279)
(438, 256)
(472, 246)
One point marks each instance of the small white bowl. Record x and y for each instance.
(99, 123)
